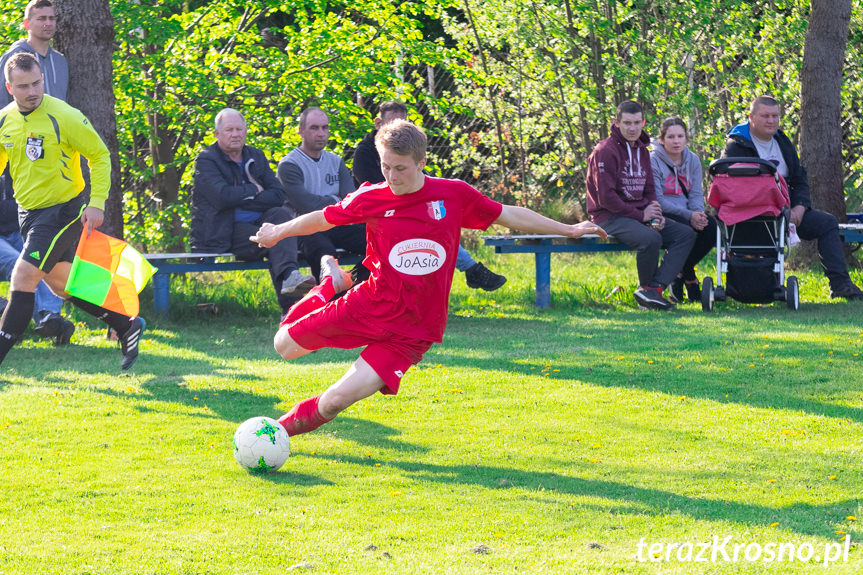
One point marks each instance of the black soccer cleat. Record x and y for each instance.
(129, 342)
(479, 276)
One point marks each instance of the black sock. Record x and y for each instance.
(118, 321)
(15, 320)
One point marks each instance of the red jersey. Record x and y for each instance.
(411, 246)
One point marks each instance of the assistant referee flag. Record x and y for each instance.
(108, 272)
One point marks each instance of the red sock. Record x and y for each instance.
(303, 417)
(317, 297)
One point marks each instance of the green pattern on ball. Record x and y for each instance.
(269, 430)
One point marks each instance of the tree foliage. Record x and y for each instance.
(513, 93)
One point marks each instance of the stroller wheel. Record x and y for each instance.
(707, 294)
(792, 293)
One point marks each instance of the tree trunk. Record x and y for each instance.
(85, 35)
(821, 103)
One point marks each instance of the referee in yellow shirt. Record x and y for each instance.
(42, 139)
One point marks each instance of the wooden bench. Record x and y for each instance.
(542, 247)
(852, 232)
(182, 263)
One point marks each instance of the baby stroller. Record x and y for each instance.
(751, 239)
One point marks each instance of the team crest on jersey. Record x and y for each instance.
(34, 149)
(417, 257)
(437, 210)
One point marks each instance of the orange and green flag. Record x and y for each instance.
(108, 272)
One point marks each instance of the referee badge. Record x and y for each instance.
(34, 148)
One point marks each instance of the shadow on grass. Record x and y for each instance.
(802, 518)
(371, 433)
(286, 477)
(585, 348)
(729, 368)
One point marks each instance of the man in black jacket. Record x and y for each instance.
(761, 137)
(367, 168)
(235, 192)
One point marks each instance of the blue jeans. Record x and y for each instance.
(464, 260)
(10, 249)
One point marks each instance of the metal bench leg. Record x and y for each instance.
(543, 279)
(161, 293)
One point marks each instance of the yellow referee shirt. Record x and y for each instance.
(44, 149)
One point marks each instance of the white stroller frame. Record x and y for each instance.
(774, 227)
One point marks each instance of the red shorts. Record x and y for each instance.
(335, 325)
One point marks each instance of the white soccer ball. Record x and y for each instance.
(261, 444)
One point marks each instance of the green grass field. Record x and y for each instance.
(529, 441)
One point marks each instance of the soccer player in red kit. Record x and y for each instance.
(413, 224)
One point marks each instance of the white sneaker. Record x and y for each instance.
(297, 283)
(341, 279)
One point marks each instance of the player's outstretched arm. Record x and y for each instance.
(526, 220)
(270, 234)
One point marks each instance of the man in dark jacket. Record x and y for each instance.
(367, 168)
(761, 137)
(235, 191)
(621, 199)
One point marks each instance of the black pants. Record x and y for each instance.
(675, 238)
(282, 257)
(349, 238)
(705, 240)
(824, 227)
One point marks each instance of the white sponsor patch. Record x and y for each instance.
(417, 257)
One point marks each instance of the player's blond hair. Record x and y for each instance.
(402, 138)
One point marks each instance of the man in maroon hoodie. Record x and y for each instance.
(621, 199)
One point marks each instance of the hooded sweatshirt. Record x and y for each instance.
(54, 68)
(619, 178)
(678, 188)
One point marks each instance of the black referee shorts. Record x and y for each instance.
(51, 234)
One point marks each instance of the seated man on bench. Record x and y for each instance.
(235, 192)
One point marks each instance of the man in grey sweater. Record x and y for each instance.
(40, 23)
(314, 178)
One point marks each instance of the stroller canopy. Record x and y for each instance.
(743, 188)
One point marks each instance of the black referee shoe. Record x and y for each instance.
(129, 342)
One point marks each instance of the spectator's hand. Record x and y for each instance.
(267, 236)
(653, 211)
(698, 220)
(797, 215)
(92, 218)
(661, 223)
(582, 228)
